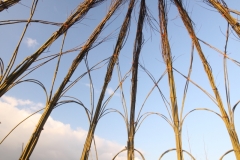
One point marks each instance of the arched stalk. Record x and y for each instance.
(125, 150)
(173, 149)
(226, 154)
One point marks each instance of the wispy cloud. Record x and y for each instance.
(87, 84)
(57, 141)
(31, 43)
(26, 104)
(110, 91)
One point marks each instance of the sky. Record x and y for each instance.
(204, 134)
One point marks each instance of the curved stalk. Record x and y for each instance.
(125, 150)
(226, 154)
(174, 150)
(7, 22)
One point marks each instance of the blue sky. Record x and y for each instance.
(204, 134)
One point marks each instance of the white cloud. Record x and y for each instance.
(58, 141)
(31, 43)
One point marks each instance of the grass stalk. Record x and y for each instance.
(166, 54)
(57, 66)
(7, 22)
(136, 52)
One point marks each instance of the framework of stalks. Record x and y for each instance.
(11, 76)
